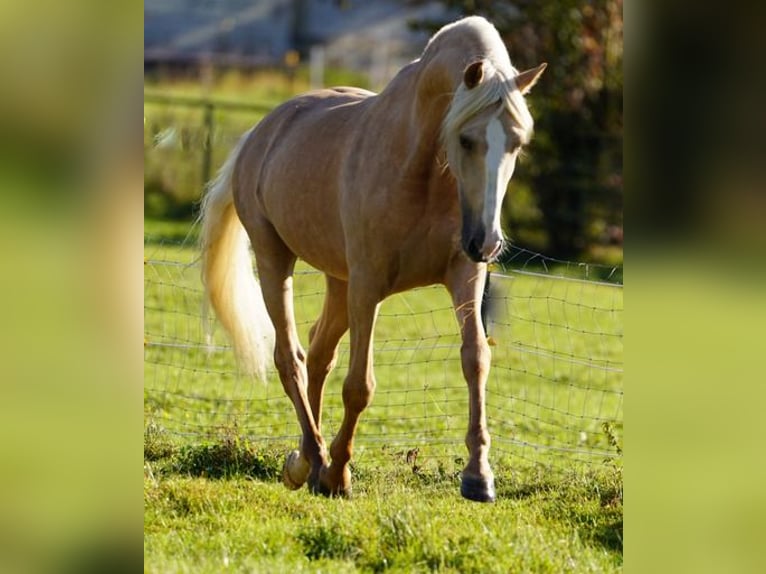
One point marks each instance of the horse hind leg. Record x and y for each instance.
(323, 354)
(275, 269)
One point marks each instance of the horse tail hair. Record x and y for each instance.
(227, 275)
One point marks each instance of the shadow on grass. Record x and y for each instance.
(524, 491)
(589, 502)
(610, 536)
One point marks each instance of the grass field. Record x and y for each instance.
(214, 442)
(175, 134)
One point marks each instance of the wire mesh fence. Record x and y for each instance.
(554, 397)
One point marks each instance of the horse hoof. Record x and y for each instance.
(323, 485)
(295, 471)
(329, 492)
(478, 488)
(325, 490)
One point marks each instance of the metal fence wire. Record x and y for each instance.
(554, 397)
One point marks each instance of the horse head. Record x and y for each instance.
(484, 130)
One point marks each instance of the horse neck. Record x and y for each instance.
(437, 80)
(413, 106)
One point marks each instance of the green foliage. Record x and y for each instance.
(611, 436)
(157, 444)
(574, 163)
(577, 167)
(566, 197)
(230, 457)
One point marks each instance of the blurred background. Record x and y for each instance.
(70, 215)
(214, 68)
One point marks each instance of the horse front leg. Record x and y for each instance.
(324, 337)
(465, 283)
(358, 390)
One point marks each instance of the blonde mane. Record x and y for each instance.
(498, 84)
(495, 89)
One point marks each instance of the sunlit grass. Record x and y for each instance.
(397, 521)
(557, 377)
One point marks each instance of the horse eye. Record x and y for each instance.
(466, 143)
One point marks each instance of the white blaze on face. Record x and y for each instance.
(498, 169)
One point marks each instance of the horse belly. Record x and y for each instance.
(311, 239)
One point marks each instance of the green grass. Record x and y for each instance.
(214, 441)
(397, 521)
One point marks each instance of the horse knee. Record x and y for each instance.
(479, 438)
(357, 394)
(475, 358)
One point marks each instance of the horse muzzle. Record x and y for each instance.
(480, 247)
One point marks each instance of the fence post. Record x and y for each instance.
(207, 148)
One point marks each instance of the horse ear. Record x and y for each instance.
(528, 78)
(473, 74)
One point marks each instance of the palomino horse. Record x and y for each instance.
(357, 185)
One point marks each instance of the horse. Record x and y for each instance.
(382, 193)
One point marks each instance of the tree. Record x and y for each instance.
(575, 163)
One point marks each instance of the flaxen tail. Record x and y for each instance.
(227, 274)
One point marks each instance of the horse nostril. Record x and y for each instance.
(472, 243)
(473, 249)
